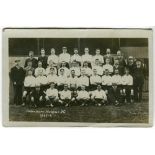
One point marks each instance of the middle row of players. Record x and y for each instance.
(75, 82)
(75, 66)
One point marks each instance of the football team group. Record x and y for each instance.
(68, 80)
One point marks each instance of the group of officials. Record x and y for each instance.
(77, 80)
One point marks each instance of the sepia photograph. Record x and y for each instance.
(77, 77)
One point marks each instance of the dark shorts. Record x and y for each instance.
(60, 88)
(87, 88)
(126, 87)
(73, 88)
(105, 87)
(98, 100)
(66, 101)
(93, 87)
(29, 89)
(83, 101)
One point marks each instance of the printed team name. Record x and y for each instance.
(49, 114)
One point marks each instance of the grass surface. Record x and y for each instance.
(135, 113)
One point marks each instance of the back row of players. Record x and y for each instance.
(118, 79)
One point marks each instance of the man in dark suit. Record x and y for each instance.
(17, 75)
(131, 64)
(43, 58)
(32, 59)
(138, 80)
(120, 58)
(115, 95)
(109, 56)
(118, 67)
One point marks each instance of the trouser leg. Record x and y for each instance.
(53, 102)
(111, 99)
(39, 103)
(140, 92)
(82, 102)
(67, 102)
(128, 94)
(19, 94)
(136, 92)
(99, 102)
(15, 94)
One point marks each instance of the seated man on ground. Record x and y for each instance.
(52, 96)
(65, 96)
(115, 95)
(83, 97)
(99, 97)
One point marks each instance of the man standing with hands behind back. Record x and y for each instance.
(17, 75)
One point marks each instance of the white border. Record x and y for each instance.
(73, 33)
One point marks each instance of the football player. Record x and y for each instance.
(99, 97)
(52, 95)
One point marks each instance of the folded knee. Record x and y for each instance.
(24, 93)
(32, 99)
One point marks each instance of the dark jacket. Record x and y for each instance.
(34, 62)
(120, 69)
(110, 57)
(121, 61)
(139, 75)
(17, 75)
(43, 60)
(37, 94)
(131, 68)
(114, 95)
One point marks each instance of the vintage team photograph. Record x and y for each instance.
(96, 76)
